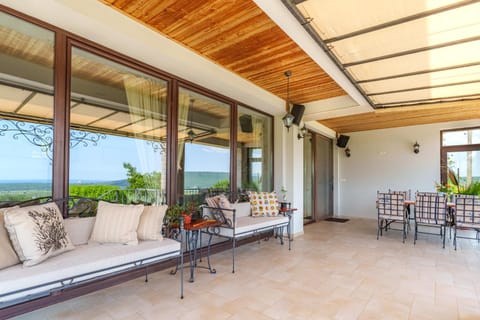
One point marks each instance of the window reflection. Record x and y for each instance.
(203, 154)
(26, 109)
(118, 116)
(254, 155)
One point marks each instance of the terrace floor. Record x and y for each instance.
(334, 271)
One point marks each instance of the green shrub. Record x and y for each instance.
(93, 191)
(472, 189)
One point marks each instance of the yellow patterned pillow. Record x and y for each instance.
(264, 204)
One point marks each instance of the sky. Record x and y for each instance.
(21, 160)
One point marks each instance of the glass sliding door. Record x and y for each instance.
(254, 150)
(26, 109)
(118, 131)
(203, 150)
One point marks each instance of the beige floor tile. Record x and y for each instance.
(334, 271)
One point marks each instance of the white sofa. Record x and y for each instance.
(86, 263)
(238, 223)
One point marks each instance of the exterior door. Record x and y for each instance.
(323, 177)
(308, 180)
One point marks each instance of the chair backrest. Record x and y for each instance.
(467, 210)
(390, 204)
(406, 193)
(430, 208)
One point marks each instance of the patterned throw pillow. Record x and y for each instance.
(264, 204)
(212, 202)
(37, 232)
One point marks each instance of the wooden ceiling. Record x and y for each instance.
(406, 116)
(239, 36)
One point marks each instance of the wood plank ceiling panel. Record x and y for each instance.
(239, 36)
(406, 116)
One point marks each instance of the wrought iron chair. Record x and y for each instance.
(430, 211)
(467, 215)
(391, 208)
(407, 195)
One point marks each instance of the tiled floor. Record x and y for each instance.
(335, 271)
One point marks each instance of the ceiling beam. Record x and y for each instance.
(392, 23)
(406, 116)
(411, 51)
(280, 13)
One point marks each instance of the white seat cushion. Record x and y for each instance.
(247, 225)
(84, 259)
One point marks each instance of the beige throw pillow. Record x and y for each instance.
(37, 232)
(151, 221)
(9, 257)
(116, 223)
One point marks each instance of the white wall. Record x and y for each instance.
(384, 159)
(288, 169)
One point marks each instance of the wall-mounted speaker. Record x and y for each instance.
(297, 112)
(246, 123)
(342, 141)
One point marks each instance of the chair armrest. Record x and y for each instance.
(219, 215)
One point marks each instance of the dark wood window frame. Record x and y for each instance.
(64, 41)
(444, 150)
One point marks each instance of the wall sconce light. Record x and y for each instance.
(289, 117)
(303, 132)
(416, 147)
(347, 152)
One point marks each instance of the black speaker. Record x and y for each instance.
(297, 111)
(342, 141)
(246, 123)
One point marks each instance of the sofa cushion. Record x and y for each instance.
(151, 221)
(83, 263)
(117, 223)
(264, 204)
(212, 201)
(79, 229)
(37, 232)
(242, 209)
(9, 257)
(246, 226)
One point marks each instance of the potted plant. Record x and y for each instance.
(173, 214)
(190, 210)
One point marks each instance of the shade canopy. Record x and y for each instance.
(401, 53)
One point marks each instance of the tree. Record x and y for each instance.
(136, 180)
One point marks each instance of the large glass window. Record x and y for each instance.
(26, 109)
(203, 154)
(461, 158)
(254, 150)
(118, 131)
(116, 126)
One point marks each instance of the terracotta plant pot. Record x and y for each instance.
(187, 219)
